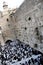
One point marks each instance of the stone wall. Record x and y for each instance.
(27, 19)
(5, 29)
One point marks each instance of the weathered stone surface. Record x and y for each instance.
(27, 18)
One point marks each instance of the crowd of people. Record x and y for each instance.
(17, 51)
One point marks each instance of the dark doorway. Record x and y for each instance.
(8, 41)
